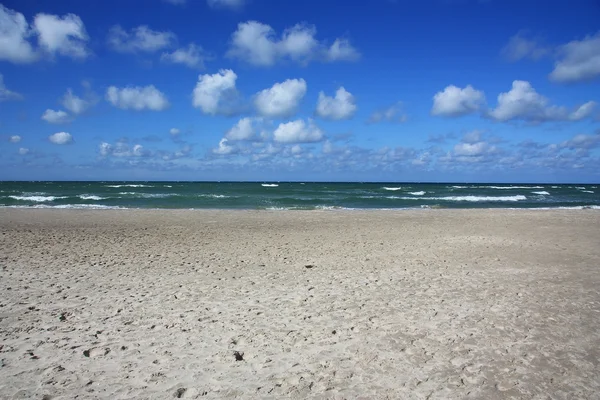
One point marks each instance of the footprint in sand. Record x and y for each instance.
(96, 352)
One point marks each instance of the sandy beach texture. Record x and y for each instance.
(431, 304)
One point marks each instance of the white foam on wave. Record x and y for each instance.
(543, 193)
(511, 187)
(269, 185)
(464, 198)
(128, 185)
(393, 189)
(587, 191)
(149, 195)
(421, 193)
(168, 186)
(459, 187)
(214, 196)
(90, 197)
(72, 206)
(38, 199)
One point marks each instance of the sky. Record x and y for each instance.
(336, 90)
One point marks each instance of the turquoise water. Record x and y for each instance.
(294, 195)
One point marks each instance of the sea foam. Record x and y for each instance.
(38, 199)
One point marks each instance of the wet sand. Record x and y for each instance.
(424, 304)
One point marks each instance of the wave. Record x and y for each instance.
(127, 185)
(90, 197)
(38, 199)
(214, 196)
(511, 187)
(421, 193)
(544, 193)
(580, 187)
(73, 206)
(587, 191)
(464, 198)
(459, 187)
(269, 185)
(392, 188)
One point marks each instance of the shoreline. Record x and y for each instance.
(445, 303)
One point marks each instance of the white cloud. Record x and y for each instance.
(391, 114)
(454, 101)
(522, 102)
(224, 148)
(342, 50)
(140, 39)
(6, 94)
(14, 139)
(297, 132)
(231, 4)
(583, 111)
(14, 32)
(23, 150)
(174, 131)
(579, 61)
(61, 138)
(65, 36)
(213, 91)
(56, 117)
(282, 99)
(258, 44)
(342, 106)
(122, 149)
(191, 56)
(75, 104)
(244, 129)
(471, 149)
(519, 47)
(137, 98)
(582, 141)
(472, 137)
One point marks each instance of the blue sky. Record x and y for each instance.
(382, 90)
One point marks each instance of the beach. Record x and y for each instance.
(405, 304)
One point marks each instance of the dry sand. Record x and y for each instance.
(431, 304)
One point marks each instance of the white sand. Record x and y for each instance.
(432, 304)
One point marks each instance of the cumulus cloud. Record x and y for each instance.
(522, 102)
(61, 138)
(14, 34)
(231, 4)
(342, 106)
(174, 131)
(455, 102)
(62, 35)
(244, 129)
(341, 50)
(282, 99)
(5, 94)
(258, 44)
(56, 117)
(582, 141)
(191, 56)
(23, 151)
(139, 39)
(137, 98)
(392, 113)
(520, 46)
(121, 149)
(298, 132)
(578, 61)
(75, 104)
(214, 94)
(14, 139)
(224, 148)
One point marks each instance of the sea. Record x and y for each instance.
(295, 195)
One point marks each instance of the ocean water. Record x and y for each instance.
(294, 195)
